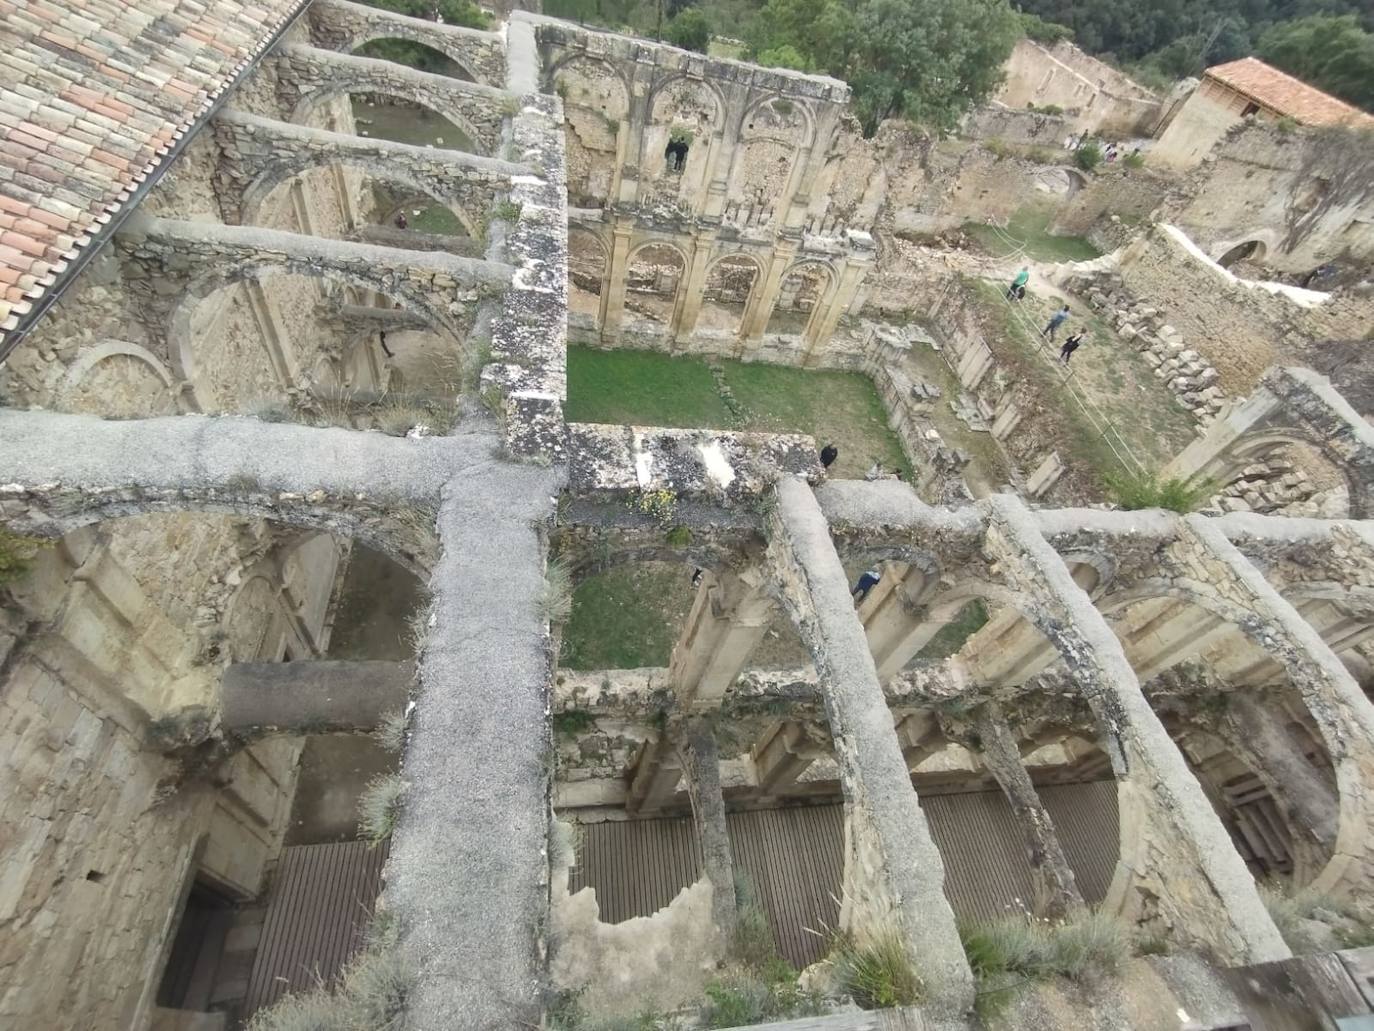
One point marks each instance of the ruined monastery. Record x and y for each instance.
(423, 604)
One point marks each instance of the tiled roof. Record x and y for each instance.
(1286, 95)
(93, 95)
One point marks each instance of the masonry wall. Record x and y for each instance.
(1094, 95)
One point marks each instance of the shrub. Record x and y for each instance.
(572, 722)
(877, 973)
(1088, 156)
(16, 554)
(661, 505)
(508, 211)
(679, 537)
(555, 600)
(1135, 491)
(1133, 160)
(1086, 947)
(379, 805)
(691, 30)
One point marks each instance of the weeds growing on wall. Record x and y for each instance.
(369, 996)
(555, 599)
(16, 555)
(660, 505)
(1299, 915)
(1087, 947)
(1139, 491)
(877, 972)
(379, 805)
(572, 722)
(507, 211)
(391, 731)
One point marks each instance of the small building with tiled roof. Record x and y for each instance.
(1243, 89)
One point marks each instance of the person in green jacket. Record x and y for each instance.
(1017, 290)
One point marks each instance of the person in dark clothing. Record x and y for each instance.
(401, 222)
(381, 334)
(828, 455)
(1056, 320)
(697, 574)
(1071, 345)
(866, 583)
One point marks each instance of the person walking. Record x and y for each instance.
(866, 583)
(828, 455)
(1056, 320)
(1071, 344)
(1017, 290)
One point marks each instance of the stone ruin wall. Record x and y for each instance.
(101, 844)
(1094, 95)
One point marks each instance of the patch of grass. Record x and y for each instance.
(507, 211)
(556, 598)
(1027, 233)
(270, 409)
(379, 805)
(627, 617)
(572, 722)
(1088, 947)
(1136, 491)
(391, 731)
(877, 971)
(678, 536)
(1294, 911)
(437, 220)
(951, 637)
(648, 389)
(1134, 160)
(396, 418)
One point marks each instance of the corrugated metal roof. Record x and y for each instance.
(1283, 93)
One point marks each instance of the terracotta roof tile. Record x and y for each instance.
(93, 94)
(1281, 92)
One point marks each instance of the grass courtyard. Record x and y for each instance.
(648, 389)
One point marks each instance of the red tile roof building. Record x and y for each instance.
(1282, 95)
(96, 95)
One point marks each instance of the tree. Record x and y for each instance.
(1331, 53)
(690, 30)
(930, 60)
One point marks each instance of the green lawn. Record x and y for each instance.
(649, 389)
(627, 617)
(1027, 234)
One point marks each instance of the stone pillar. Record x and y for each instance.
(1342, 713)
(613, 297)
(1056, 890)
(1162, 632)
(784, 252)
(893, 872)
(701, 763)
(656, 776)
(703, 243)
(729, 617)
(1177, 869)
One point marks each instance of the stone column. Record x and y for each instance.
(1177, 869)
(729, 617)
(656, 776)
(783, 756)
(1343, 714)
(613, 297)
(701, 763)
(893, 872)
(784, 251)
(703, 243)
(1056, 890)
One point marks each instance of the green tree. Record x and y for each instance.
(690, 30)
(786, 56)
(1331, 53)
(930, 60)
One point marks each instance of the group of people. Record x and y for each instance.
(1017, 291)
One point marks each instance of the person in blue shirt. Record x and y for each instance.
(1056, 320)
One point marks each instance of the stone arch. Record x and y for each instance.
(596, 106)
(615, 101)
(70, 393)
(282, 171)
(403, 31)
(1250, 248)
(723, 300)
(803, 294)
(774, 131)
(589, 266)
(260, 585)
(681, 103)
(345, 81)
(181, 332)
(651, 285)
(1342, 733)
